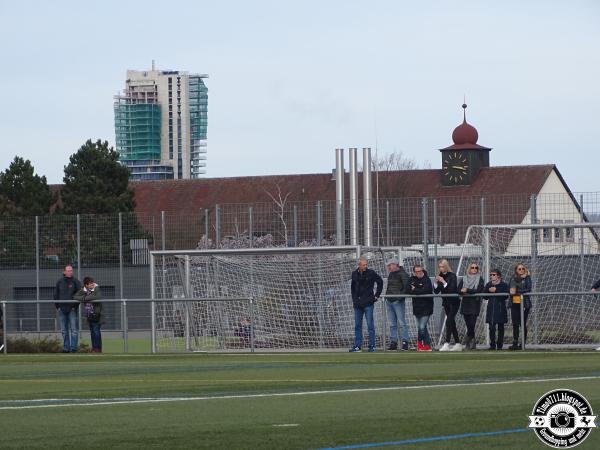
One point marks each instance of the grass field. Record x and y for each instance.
(288, 401)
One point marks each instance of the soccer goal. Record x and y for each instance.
(564, 262)
(277, 298)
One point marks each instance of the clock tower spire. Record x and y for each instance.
(462, 160)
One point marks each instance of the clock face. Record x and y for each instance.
(455, 167)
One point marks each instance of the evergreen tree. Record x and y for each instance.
(22, 192)
(95, 182)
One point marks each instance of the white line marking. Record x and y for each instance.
(286, 424)
(292, 394)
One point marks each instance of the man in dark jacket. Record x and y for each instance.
(363, 300)
(420, 284)
(396, 284)
(67, 309)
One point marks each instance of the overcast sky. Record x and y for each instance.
(291, 81)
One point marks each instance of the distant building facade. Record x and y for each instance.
(161, 125)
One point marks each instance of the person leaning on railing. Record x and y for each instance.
(496, 314)
(420, 284)
(446, 283)
(88, 294)
(520, 284)
(470, 306)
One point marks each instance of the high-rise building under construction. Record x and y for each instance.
(160, 124)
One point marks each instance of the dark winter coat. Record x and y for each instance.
(64, 290)
(396, 284)
(421, 286)
(596, 285)
(451, 288)
(522, 285)
(496, 308)
(362, 287)
(84, 296)
(471, 304)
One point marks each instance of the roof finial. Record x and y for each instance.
(464, 107)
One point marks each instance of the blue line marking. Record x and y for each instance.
(429, 439)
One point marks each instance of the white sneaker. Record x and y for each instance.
(457, 348)
(598, 349)
(445, 347)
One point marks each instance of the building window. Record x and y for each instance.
(546, 232)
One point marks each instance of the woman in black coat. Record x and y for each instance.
(496, 314)
(471, 283)
(445, 283)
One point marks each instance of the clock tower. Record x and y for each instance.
(462, 160)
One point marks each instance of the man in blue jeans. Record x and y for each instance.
(67, 309)
(363, 300)
(396, 284)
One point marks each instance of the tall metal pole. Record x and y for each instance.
(206, 224)
(482, 210)
(367, 197)
(79, 266)
(340, 234)
(4, 328)
(37, 271)
(353, 167)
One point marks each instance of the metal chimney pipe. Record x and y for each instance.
(367, 197)
(340, 232)
(353, 167)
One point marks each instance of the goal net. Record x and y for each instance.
(562, 258)
(300, 298)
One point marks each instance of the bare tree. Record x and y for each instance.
(280, 201)
(396, 160)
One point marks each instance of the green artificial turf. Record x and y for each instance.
(259, 419)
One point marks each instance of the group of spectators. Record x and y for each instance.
(69, 293)
(458, 297)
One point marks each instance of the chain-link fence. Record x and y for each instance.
(114, 249)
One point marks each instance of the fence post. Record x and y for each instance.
(252, 324)
(163, 233)
(295, 226)
(206, 225)
(79, 267)
(152, 305)
(4, 328)
(123, 316)
(581, 261)
(125, 328)
(319, 229)
(188, 294)
(218, 226)
(425, 233)
(37, 271)
(388, 228)
(534, 234)
(482, 210)
(250, 227)
(435, 232)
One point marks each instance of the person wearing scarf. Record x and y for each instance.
(445, 283)
(471, 283)
(496, 314)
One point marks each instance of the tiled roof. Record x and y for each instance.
(191, 195)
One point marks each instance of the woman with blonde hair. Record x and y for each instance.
(520, 284)
(471, 283)
(446, 283)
